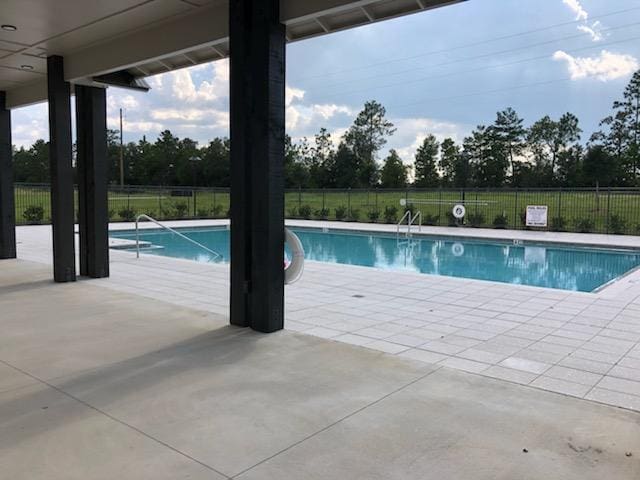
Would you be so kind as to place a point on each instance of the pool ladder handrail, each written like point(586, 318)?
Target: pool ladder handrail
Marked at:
point(153, 220)
point(410, 221)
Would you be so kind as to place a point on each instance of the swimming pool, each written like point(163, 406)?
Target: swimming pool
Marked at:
point(558, 266)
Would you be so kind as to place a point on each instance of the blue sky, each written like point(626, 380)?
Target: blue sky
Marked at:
point(442, 71)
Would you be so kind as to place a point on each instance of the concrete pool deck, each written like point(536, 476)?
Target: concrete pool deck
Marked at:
point(101, 384)
point(585, 345)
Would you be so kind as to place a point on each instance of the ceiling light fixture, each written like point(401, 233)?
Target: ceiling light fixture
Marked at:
point(9, 28)
point(26, 67)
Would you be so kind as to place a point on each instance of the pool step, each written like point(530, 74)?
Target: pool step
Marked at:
point(126, 244)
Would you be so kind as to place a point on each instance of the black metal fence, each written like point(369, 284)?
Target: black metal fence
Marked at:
point(610, 210)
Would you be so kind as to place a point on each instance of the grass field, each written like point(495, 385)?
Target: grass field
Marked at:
point(614, 211)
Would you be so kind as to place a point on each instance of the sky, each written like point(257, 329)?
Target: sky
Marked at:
point(442, 71)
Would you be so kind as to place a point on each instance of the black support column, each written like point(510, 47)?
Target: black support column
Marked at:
point(91, 128)
point(62, 205)
point(257, 63)
point(7, 209)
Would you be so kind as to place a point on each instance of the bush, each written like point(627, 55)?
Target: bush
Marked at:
point(617, 225)
point(558, 224)
point(216, 211)
point(112, 214)
point(127, 214)
point(451, 220)
point(584, 225)
point(501, 221)
point(431, 219)
point(322, 213)
point(390, 214)
point(341, 212)
point(292, 212)
point(354, 215)
point(202, 213)
point(181, 210)
point(228, 213)
point(33, 214)
point(305, 212)
point(523, 218)
point(476, 219)
point(373, 215)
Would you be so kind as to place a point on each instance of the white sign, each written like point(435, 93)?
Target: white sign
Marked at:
point(537, 215)
point(459, 211)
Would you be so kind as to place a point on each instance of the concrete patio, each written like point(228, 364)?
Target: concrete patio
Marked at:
point(97, 384)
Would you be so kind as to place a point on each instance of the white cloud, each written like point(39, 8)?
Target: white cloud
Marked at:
point(185, 89)
point(594, 31)
point(578, 10)
point(292, 94)
point(213, 117)
point(606, 66)
point(411, 132)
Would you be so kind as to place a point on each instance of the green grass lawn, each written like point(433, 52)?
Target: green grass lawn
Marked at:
point(617, 211)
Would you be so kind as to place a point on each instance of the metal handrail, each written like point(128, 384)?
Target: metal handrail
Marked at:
point(401, 222)
point(147, 217)
point(410, 221)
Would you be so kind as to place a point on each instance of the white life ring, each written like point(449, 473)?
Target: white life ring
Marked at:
point(293, 271)
point(459, 211)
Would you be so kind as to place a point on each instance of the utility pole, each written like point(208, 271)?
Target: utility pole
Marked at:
point(121, 153)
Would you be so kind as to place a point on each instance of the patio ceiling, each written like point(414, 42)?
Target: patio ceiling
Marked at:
point(147, 37)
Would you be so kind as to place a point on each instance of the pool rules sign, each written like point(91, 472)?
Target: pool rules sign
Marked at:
point(537, 215)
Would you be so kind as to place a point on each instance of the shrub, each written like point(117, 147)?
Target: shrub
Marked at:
point(558, 224)
point(431, 219)
point(523, 218)
point(584, 225)
point(322, 213)
point(216, 210)
point(451, 220)
point(341, 212)
point(202, 213)
point(112, 214)
point(127, 214)
point(305, 212)
point(354, 215)
point(501, 221)
point(33, 214)
point(181, 210)
point(476, 219)
point(292, 212)
point(228, 213)
point(617, 225)
point(390, 214)
point(373, 215)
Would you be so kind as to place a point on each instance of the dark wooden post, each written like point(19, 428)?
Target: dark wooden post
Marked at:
point(62, 205)
point(93, 215)
point(257, 106)
point(7, 207)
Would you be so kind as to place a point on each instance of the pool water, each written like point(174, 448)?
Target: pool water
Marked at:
point(564, 267)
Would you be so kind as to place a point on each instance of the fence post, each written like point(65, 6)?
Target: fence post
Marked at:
point(324, 194)
point(214, 203)
point(560, 204)
point(440, 206)
point(608, 209)
point(159, 203)
point(194, 201)
point(515, 211)
point(349, 202)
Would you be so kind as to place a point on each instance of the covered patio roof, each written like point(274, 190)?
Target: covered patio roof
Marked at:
point(138, 38)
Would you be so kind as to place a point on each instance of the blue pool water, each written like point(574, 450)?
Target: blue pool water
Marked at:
point(543, 265)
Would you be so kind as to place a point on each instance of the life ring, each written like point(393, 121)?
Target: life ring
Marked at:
point(293, 271)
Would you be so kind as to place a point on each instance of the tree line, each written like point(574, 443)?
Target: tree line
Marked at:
point(547, 153)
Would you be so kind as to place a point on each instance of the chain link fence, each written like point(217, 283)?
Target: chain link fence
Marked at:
point(609, 210)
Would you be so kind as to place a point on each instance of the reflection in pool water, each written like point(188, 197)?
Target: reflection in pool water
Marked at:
point(563, 267)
